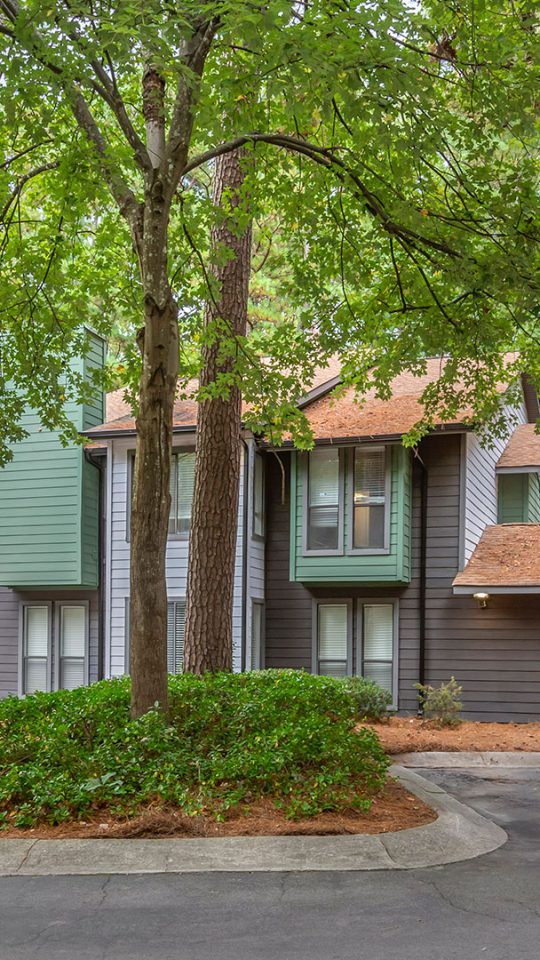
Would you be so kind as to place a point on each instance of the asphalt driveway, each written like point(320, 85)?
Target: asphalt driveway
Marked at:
point(485, 908)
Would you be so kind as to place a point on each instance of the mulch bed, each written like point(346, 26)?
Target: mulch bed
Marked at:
point(410, 735)
point(394, 808)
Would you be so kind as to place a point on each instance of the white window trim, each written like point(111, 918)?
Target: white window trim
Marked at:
point(22, 606)
point(58, 604)
point(188, 447)
point(175, 600)
point(256, 455)
point(370, 551)
point(255, 602)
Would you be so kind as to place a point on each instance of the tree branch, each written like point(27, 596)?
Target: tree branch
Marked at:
point(22, 181)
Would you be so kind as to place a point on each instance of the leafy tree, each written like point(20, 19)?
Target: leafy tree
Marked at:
point(395, 141)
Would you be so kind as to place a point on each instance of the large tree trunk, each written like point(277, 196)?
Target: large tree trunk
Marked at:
point(208, 637)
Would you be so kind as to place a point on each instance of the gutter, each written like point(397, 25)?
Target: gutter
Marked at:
point(423, 578)
point(245, 545)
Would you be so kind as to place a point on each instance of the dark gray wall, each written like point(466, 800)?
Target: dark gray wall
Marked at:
point(493, 653)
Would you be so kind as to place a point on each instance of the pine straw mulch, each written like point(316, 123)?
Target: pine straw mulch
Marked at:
point(394, 808)
point(411, 734)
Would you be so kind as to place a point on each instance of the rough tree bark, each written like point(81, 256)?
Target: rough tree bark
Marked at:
point(208, 637)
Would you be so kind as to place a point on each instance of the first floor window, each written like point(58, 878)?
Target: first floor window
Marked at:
point(365, 647)
point(176, 626)
point(54, 633)
point(36, 648)
point(378, 643)
point(73, 646)
point(257, 619)
point(333, 658)
point(323, 497)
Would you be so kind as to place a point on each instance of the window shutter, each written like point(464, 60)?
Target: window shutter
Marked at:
point(369, 476)
point(176, 625)
point(184, 489)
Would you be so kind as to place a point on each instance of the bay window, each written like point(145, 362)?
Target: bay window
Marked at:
point(369, 498)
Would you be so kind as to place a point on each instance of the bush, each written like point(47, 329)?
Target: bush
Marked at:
point(441, 704)
point(371, 702)
point(229, 738)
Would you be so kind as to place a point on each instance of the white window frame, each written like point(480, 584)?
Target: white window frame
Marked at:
point(259, 658)
point(174, 601)
point(370, 551)
point(339, 550)
point(24, 604)
point(184, 535)
point(57, 638)
point(378, 601)
point(173, 515)
point(331, 602)
point(258, 459)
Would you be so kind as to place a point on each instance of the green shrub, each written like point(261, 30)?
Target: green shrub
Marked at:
point(441, 704)
point(230, 738)
point(371, 702)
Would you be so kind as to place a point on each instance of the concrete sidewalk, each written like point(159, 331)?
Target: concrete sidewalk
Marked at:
point(459, 759)
point(459, 833)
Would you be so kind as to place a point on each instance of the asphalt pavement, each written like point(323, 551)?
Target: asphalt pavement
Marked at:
point(483, 908)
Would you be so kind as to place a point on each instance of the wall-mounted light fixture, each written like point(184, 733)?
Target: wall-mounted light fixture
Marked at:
point(482, 599)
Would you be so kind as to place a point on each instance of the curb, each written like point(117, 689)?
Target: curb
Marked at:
point(458, 759)
point(459, 833)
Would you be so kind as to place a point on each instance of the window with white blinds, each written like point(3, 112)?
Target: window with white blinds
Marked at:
point(378, 643)
point(72, 646)
point(369, 498)
point(181, 486)
point(257, 611)
point(333, 639)
point(36, 624)
point(323, 499)
point(176, 628)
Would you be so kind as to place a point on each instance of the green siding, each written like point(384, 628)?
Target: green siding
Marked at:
point(49, 504)
point(513, 497)
point(393, 567)
point(534, 498)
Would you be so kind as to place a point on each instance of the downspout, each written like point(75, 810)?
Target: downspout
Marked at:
point(245, 545)
point(100, 464)
point(423, 565)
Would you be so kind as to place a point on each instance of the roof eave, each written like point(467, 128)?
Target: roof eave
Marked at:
point(508, 590)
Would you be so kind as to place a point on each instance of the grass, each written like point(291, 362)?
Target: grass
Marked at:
point(229, 739)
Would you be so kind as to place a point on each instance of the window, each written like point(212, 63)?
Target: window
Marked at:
point(257, 621)
point(54, 632)
point(36, 647)
point(258, 496)
point(378, 643)
point(181, 485)
point(72, 646)
point(324, 482)
point(369, 498)
point(176, 628)
point(333, 639)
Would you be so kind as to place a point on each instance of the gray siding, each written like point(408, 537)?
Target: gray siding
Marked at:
point(255, 566)
point(480, 507)
point(118, 559)
point(10, 601)
point(493, 653)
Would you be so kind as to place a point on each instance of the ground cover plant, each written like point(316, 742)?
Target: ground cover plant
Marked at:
point(229, 739)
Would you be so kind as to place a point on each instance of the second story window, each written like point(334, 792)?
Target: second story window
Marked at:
point(323, 500)
point(182, 482)
point(258, 496)
point(369, 498)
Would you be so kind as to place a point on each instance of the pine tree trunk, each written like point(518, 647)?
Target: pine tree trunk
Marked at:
point(208, 637)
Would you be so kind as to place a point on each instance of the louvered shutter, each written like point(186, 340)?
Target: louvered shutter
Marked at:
point(378, 643)
point(72, 651)
point(36, 648)
point(333, 623)
point(176, 624)
point(184, 489)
